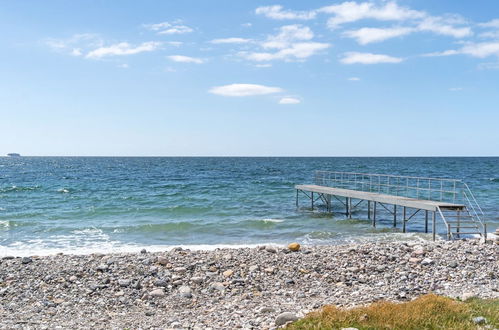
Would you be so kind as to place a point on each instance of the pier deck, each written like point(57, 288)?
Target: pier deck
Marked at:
point(421, 204)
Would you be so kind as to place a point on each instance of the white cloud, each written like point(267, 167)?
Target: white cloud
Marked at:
point(439, 25)
point(289, 100)
point(74, 45)
point(354, 79)
point(351, 11)
point(490, 24)
point(185, 59)
point(277, 12)
point(479, 50)
point(230, 41)
point(175, 27)
point(365, 36)
point(244, 90)
point(287, 35)
point(296, 51)
point(123, 48)
point(291, 43)
point(368, 58)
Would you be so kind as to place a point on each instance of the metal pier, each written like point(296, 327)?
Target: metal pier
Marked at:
point(449, 200)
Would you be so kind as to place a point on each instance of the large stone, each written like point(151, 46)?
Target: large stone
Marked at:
point(217, 286)
point(197, 279)
point(26, 260)
point(124, 283)
point(294, 247)
point(271, 249)
point(162, 260)
point(180, 270)
point(157, 293)
point(479, 320)
point(185, 291)
point(228, 273)
point(285, 317)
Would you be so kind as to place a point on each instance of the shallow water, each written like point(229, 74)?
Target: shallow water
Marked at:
point(84, 204)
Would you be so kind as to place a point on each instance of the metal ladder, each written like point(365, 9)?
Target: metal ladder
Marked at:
point(462, 222)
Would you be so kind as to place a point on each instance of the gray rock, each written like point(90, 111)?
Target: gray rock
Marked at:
point(217, 286)
point(426, 261)
point(26, 260)
point(163, 282)
point(479, 320)
point(162, 260)
point(453, 264)
point(143, 251)
point(157, 293)
point(285, 317)
point(185, 291)
point(197, 279)
point(271, 249)
point(180, 270)
point(102, 267)
point(124, 282)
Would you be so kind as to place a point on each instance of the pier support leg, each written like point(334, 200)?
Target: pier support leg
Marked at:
point(434, 225)
point(329, 205)
point(394, 216)
point(312, 200)
point(404, 220)
point(346, 206)
point(426, 221)
point(350, 208)
point(458, 223)
point(369, 210)
point(297, 198)
point(374, 215)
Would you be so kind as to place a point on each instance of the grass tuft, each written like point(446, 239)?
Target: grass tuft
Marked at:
point(426, 312)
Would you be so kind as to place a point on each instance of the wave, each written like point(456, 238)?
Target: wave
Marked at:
point(494, 179)
point(17, 189)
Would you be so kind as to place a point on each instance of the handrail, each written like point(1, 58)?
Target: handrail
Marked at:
point(452, 190)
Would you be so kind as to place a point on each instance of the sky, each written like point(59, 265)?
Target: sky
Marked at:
point(249, 78)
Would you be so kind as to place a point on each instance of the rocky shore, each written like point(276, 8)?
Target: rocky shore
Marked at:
point(258, 288)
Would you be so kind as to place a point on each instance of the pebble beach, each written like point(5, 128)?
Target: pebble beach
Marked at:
point(248, 288)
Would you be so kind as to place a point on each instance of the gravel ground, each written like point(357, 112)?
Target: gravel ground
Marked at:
point(234, 288)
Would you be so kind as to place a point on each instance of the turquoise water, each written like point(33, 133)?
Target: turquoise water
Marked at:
point(84, 204)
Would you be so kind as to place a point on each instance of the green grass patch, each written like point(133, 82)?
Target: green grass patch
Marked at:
point(426, 312)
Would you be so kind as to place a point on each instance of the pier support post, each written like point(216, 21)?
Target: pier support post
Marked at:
point(346, 206)
point(296, 197)
point(394, 216)
point(434, 225)
point(404, 220)
point(350, 208)
point(374, 215)
point(312, 200)
point(369, 210)
point(458, 223)
point(426, 221)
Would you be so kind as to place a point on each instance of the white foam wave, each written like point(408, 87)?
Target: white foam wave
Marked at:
point(272, 220)
point(63, 190)
point(37, 248)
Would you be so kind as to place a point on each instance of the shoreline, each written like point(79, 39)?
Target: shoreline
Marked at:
point(234, 288)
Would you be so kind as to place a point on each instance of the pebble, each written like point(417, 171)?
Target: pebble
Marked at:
point(294, 247)
point(124, 283)
point(26, 260)
point(157, 293)
point(76, 291)
point(479, 320)
point(270, 249)
point(284, 318)
point(185, 291)
point(228, 273)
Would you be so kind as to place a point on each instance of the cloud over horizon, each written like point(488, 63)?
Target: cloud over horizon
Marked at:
point(238, 90)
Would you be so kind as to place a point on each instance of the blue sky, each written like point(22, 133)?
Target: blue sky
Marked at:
point(250, 78)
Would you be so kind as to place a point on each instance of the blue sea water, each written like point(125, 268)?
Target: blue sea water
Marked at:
point(87, 204)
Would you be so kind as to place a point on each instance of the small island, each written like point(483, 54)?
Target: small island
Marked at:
point(14, 154)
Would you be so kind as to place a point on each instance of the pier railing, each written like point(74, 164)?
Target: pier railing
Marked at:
point(436, 189)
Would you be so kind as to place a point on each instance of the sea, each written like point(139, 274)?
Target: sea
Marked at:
point(81, 205)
